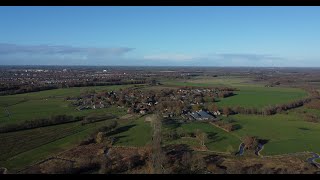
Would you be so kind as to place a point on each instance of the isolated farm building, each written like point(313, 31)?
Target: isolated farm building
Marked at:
point(201, 115)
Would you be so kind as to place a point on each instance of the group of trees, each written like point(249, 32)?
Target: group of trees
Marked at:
point(181, 160)
point(314, 104)
point(30, 124)
point(224, 94)
point(19, 89)
point(119, 162)
point(100, 134)
point(95, 83)
point(251, 142)
point(284, 107)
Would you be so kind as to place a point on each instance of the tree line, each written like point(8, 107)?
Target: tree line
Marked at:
point(269, 110)
point(96, 118)
point(42, 122)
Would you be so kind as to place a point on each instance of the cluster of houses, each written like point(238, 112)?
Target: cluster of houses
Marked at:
point(92, 105)
point(172, 103)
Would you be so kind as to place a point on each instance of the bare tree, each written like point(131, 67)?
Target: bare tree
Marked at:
point(157, 155)
point(202, 136)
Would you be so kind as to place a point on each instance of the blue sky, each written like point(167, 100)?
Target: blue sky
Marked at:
point(205, 36)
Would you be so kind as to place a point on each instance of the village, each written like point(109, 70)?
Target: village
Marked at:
point(187, 102)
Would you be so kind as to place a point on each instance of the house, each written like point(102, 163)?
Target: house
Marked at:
point(216, 113)
point(166, 115)
point(143, 111)
point(184, 111)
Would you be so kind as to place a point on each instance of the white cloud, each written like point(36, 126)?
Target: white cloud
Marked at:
point(13, 49)
point(57, 54)
point(170, 57)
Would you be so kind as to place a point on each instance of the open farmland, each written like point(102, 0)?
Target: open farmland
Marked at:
point(218, 140)
point(134, 133)
point(249, 95)
point(35, 105)
point(286, 133)
point(22, 148)
point(262, 96)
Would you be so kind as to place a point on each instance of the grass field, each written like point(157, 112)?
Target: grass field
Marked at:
point(287, 133)
point(213, 82)
point(46, 103)
point(21, 148)
point(249, 95)
point(235, 81)
point(134, 133)
point(218, 140)
point(262, 96)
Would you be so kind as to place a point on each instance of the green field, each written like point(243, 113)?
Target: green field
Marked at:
point(262, 96)
point(287, 133)
point(249, 95)
point(218, 141)
point(22, 148)
point(34, 109)
point(46, 103)
point(134, 133)
point(204, 81)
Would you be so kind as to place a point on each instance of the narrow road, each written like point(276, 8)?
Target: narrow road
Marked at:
point(258, 149)
point(241, 150)
point(312, 160)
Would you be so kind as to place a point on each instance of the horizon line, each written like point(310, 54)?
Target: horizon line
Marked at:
point(165, 66)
